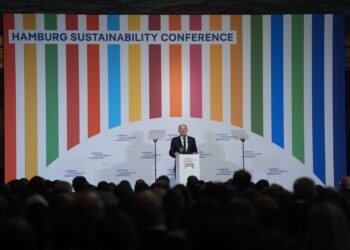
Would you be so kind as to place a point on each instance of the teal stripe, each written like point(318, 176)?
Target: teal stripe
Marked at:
point(256, 75)
point(51, 64)
point(298, 140)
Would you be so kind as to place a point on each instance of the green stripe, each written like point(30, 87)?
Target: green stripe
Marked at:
point(256, 75)
point(50, 22)
point(51, 64)
point(298, 87)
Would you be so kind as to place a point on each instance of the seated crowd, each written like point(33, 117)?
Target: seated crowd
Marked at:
point(40, 214)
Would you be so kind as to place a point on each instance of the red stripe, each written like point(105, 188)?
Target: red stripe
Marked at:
point(93, 74)
point(154, 22)
point(71, 22)
point(195, 22)
point(195, 71)
point(72, 64)
point(10, 100)
point(155, 81)
point(155, 69)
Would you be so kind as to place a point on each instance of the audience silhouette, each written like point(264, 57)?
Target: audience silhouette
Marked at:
point(40, 214)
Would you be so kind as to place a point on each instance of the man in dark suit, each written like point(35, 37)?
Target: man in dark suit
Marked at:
point(182, 144)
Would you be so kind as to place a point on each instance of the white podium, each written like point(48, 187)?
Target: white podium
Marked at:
point(186, 165)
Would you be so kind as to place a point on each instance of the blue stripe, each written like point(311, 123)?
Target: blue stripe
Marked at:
point(277, 80)
point(339, 127)
point(114, 99)
point(113, 22)
point(318, 126)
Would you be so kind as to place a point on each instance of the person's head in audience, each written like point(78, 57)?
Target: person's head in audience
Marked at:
point(62, 187)
point(17, 234)
point(241, 180)
point(117, 230)
point(304, 188)
point(192, 179)
point(80, 183)
point(345, 182)
point(123, 191)
point(163, 178)
point(159, 188)
point(141, 185)
point(262, 184)
point(327, 228)
point(37, 185)
point(148, 210)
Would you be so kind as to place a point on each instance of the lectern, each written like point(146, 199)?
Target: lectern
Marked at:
point(187, 165)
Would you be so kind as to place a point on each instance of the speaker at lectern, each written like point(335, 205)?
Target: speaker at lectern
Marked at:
point(186, 165)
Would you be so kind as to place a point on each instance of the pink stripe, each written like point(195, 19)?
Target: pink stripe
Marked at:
point(195, 22)
point(196, 71)
point(155, 81)
point(196, 80)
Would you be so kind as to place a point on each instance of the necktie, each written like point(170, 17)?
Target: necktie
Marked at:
point(184, 145)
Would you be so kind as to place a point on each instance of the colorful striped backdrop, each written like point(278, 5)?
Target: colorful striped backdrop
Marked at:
point(282, 81)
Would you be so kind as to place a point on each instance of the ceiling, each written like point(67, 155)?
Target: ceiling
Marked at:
point(177, 7)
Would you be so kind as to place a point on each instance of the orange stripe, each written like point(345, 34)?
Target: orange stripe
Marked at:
point(216, 72)
point(30, 101)
point(92, 22)
point(236, 58)
point(215, 22)
point(175, 58)
point(174, 22)
point(93, 75)
point(93, 69)
point(10, 101)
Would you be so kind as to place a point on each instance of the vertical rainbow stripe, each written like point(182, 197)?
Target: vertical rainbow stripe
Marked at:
point(175, 70)
point(72, 69)
point(93, 69)
point(114, 98)
point(155, 72)
point(10, 100)
point(196, 71)
point(51, 64)
point(134, 72)
point(30, 102)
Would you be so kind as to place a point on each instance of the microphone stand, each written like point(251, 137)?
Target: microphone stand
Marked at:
point(242, 140)
point(155, 158)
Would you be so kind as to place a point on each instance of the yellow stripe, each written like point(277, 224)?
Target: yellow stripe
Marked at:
point(29, 22)
point(31, 116)
point(215, 22)
point(30, 102)
point(134, 22)
point(236, 73)
point(216, 82)
point(134, 82)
